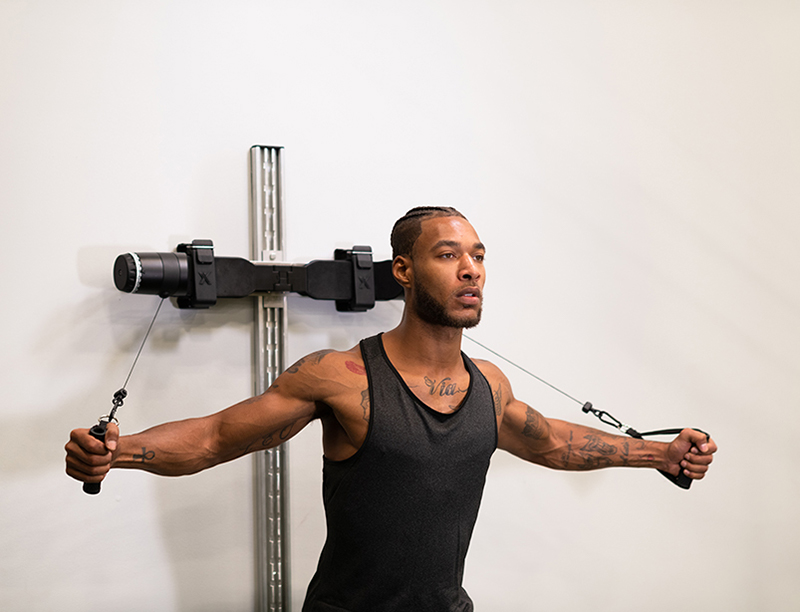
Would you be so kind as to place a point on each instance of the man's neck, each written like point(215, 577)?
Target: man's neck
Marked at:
point(415, 346)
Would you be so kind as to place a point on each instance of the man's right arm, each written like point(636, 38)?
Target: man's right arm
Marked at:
point(189, 446)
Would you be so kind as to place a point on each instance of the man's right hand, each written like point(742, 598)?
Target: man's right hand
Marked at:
point(89, 459)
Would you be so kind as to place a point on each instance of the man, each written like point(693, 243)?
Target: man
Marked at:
point(409, 424)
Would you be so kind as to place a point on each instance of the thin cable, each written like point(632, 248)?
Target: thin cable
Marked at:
point(541, 380)
point(143, 341)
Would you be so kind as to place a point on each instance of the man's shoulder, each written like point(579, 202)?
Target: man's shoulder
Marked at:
point(492, 373)
point(329, 363)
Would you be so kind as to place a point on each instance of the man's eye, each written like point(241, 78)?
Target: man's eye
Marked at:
point(479, 257)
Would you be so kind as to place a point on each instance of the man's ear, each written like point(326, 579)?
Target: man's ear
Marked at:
point(402, 271)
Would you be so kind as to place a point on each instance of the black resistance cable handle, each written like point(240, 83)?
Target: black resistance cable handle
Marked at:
point(99, 433)
point(681, 480)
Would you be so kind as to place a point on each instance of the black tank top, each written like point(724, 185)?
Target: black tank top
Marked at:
point(400, 512)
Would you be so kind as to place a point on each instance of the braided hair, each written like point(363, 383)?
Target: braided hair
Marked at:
point(408, 228)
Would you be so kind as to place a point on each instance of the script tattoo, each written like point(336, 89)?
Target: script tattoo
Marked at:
point(498, 400)
point(443, 387)
point(567, 453)
point(625, 453)
point(314, 358)
point(534, 426)
point(269, 440)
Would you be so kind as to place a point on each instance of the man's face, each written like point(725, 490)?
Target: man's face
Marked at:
point(448, 273)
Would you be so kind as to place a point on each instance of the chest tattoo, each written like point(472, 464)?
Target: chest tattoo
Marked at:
point(443, 387)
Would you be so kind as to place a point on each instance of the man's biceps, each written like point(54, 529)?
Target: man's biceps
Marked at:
point(290, 406)
point(514, 413)
point(512, 424)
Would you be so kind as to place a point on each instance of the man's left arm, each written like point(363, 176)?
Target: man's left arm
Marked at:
point(557, 444)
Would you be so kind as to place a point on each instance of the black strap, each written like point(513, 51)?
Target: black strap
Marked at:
point(681, 480)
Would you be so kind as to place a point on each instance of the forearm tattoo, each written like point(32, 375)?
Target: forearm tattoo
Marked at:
point(596, 453)
point(145, 456)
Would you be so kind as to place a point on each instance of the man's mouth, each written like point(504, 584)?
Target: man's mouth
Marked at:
point(469, 296)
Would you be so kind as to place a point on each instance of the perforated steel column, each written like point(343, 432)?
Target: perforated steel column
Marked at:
point(270, 467)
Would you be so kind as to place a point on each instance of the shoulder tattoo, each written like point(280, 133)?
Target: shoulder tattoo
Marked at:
point(313, 359)
point(355, 368)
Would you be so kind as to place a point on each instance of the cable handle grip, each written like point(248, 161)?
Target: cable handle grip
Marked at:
point(98, 432)
point(681, 480)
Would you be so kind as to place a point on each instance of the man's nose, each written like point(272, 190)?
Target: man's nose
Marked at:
point(469, 269)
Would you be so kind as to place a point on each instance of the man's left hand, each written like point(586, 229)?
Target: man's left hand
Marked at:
point(691, 452)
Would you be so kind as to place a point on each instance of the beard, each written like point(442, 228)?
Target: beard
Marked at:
point(431, 311)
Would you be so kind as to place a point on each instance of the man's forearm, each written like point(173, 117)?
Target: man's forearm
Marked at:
point(576, 447)
point(172, 449)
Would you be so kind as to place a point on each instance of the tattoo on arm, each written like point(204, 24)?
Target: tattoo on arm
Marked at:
point(145, 456)
point(365, 404)
point(535, 427)
point(596, 453)
point(314, 358)
point(567, 453)
point(498, 400)
point(268, 441)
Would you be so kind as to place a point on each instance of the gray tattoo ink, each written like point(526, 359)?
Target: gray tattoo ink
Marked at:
point(567, 453)
point(596, 453)
point(443, 387)
point(533, 427)
point(595, 445)
point(314, 358)
point(269, 440)
point(592, 463)
point(498, 400)
point(145, 456)
point(365, 404)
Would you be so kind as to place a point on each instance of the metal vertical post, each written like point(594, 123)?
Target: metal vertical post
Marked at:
point(270, 467)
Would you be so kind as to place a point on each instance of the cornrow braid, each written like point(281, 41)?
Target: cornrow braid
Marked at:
point(408, 228)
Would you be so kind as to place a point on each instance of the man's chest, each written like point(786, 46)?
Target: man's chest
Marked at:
point(350, 407)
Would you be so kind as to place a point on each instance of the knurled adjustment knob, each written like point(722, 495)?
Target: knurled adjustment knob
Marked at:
point(128, 272)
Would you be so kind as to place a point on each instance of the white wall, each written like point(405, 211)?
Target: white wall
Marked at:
point(631, 166)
